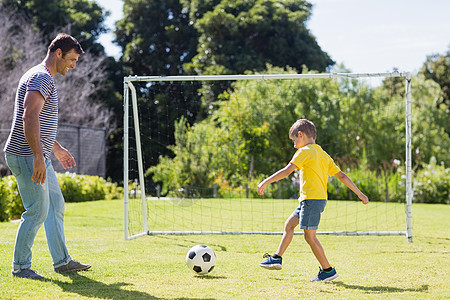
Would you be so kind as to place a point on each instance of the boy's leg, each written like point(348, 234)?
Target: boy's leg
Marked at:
point(275, 262)
point(309, 222)
point(316, 247)
point(326, 272)
point(288, 234)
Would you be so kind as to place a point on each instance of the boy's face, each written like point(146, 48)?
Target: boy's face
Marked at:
point(298, 140)
point(301, 140)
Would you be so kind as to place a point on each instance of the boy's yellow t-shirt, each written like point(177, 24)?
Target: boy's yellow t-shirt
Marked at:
point(315, 166)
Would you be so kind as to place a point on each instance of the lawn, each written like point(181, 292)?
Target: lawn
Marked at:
point(153, 267)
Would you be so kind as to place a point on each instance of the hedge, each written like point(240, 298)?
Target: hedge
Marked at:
point(75, 188)
point(431, 184)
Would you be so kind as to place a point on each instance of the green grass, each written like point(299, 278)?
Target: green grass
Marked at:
point(153, 267)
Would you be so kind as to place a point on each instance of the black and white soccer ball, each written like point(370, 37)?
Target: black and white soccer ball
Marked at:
point(201, 259)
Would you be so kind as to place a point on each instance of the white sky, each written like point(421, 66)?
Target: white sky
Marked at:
point(365, 35)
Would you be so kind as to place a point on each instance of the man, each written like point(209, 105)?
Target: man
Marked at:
point(31, 141)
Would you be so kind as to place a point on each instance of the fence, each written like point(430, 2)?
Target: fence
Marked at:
point(86, 144)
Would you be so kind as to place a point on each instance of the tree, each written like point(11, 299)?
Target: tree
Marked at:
point(437, 68)
point(430, 125)
point(156, 37)
point(245, 35)
point(77, 90)
point(162, 37)
point(237, 36)
point(23, 48)
point(84, 18)
point(19, 46)
point(246, 135)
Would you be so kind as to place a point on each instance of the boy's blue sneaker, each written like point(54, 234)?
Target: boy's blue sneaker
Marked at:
point(325, 276)
point(271, 263)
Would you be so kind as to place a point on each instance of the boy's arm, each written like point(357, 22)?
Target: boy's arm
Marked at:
point(349, 183)
point(282, 173)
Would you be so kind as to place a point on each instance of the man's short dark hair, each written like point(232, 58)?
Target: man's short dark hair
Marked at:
point(65, 42)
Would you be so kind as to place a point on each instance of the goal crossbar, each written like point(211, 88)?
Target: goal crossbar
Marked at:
point(129, 87)
point(136, 78)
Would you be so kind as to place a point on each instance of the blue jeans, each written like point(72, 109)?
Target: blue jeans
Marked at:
point(309, 212)
point(43, 204)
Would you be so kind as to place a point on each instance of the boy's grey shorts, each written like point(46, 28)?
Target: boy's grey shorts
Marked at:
point(308, 213)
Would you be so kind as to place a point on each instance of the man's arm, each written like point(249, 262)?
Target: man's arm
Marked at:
point(349, 183)
point(282, 173)
point(32, 106)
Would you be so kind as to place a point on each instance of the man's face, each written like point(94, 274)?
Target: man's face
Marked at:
point(66, 62)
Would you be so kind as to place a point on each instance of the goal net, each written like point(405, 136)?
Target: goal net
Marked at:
point(195, 148)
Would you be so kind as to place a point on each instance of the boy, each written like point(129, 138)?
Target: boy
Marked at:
point(315, 166)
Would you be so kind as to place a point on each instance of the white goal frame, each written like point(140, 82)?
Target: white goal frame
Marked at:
point(129, 87)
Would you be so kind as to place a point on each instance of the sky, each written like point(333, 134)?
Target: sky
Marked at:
point(367, 36)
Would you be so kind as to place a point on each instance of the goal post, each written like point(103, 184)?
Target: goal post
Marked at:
point(138, 215)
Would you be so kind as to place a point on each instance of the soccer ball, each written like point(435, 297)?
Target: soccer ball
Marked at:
point(201, 259)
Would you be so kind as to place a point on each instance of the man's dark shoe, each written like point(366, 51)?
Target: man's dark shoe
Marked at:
point(27, 273)
point(72, 266)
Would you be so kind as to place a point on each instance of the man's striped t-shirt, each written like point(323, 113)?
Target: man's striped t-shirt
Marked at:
point(38, 79)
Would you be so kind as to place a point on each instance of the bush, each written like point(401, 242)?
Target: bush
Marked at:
point(432, 183)
point(82, 188)
point(386, 186)
point(75, 188)
point(10, 201)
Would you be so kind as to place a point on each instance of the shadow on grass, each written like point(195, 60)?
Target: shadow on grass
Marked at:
point(379, 289)
point(209, 277)
point(88, 287)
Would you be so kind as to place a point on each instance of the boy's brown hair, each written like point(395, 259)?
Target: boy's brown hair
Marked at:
point(305, 126)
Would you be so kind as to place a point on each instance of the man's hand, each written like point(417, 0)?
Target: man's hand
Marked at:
point(63, 155)
point(39, 170)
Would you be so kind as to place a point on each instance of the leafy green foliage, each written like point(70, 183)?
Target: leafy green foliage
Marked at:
point(432, 183)
point(81, 188)
point(156, 37)
point(237, 36)
point(246, 137)
point(431, 127)
point(437, 68)
point(384, 187)
point(84, 17)
point(10, 201)
point(75, 188)
point(163, 37)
